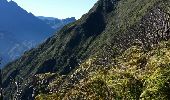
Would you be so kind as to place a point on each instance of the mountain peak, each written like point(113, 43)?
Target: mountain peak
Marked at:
point(13, 2)
point(3, 1)
point(6, 1)
point(106, 5)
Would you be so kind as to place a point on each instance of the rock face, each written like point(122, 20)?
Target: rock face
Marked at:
point(19, 31)
point(108, 53)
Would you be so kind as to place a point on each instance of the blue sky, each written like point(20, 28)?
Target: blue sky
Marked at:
point(57, 8)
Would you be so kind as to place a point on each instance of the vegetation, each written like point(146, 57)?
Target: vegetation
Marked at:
point(137, 75)
point(119, 50)
point(1, 94)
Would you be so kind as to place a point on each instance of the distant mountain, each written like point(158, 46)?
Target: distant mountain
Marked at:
point(19, 30)
point(56, 23)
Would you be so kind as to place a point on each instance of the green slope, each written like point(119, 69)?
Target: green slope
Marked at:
point(136, 75)
point(93, 58)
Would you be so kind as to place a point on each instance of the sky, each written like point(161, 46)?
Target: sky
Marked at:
point(57, 8)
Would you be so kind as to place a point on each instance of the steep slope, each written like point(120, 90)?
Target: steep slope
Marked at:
point(111, 52)
point(136, 75)
point(19, 29)
point(56, 23)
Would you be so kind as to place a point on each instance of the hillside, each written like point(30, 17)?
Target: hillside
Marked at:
point(118, 50)
point(56, 23)
point(19, 31)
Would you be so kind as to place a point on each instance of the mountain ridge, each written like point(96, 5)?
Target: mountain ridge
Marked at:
point(56, 23)
point(99, 56)
point(23, 27)
point(20, 31)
